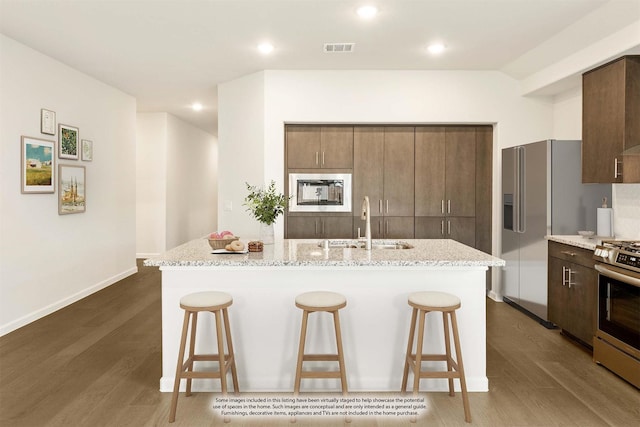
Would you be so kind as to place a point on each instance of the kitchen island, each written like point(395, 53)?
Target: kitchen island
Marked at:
point(265, 322)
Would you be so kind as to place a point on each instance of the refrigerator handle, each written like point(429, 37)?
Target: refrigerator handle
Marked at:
point(521, 190)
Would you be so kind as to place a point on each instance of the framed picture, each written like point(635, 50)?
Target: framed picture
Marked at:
point(72, 189)
point(87, 150)
point(67, 142)
point(38, 165)
point(47, 122)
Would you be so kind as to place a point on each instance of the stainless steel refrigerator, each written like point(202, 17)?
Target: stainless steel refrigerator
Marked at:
point(542, 194)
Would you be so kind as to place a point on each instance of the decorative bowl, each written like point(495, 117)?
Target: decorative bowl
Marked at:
point(221, 243)
point(586, 233)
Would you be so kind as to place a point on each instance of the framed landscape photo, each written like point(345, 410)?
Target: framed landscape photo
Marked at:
point(47, 122)
point(38, 165)
point(87, 150)
point(72, 189)
point(68, 142)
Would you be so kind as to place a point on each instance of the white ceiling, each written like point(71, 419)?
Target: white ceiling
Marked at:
point(169, 54)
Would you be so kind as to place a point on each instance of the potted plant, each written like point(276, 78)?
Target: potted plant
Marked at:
point(265, 205)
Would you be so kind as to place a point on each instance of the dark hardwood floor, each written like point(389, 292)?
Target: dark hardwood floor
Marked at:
point(98, 363)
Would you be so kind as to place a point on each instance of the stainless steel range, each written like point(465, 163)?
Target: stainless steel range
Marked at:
point(617, 341)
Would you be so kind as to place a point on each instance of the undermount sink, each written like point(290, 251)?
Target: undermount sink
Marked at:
point(359, 244)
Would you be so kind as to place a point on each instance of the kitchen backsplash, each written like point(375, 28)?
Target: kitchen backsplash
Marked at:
point(626, 211)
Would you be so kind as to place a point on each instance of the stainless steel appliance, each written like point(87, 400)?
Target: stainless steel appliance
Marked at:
point(320, 192)
point(617, 341)
point(542, 194)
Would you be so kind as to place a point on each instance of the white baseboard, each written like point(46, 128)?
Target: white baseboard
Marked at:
point(494, 296)
point(38, 314)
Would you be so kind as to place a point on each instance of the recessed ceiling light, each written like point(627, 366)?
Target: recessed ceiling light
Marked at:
point(265, 48)
point(436, 48)
point(367, 12)
point(196, 106)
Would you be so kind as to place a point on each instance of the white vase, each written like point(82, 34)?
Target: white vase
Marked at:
point(266, 233)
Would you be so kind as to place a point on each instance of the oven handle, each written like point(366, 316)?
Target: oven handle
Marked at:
point(602, 269)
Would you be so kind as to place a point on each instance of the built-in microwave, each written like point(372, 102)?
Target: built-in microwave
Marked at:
point(320, 192)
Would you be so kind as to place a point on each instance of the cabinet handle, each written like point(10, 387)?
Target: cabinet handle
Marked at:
point(358, 233)
point(569, 282)
point(448, 206)
point(316, 157)
point(379, 226)
point(442, 225)
point(564, 275)
point(387, 205)
point(616, 173)
point(568, 253)
point(449, 227)
point(323, 158)
point(442, 206)
point(380, 206)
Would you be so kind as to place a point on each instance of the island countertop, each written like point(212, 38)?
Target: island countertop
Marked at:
point(308, 252)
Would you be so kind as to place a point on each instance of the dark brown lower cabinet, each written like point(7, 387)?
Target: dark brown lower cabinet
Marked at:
point(572, 291)
point(388, 227)
point(461, 229)
point(321, 227)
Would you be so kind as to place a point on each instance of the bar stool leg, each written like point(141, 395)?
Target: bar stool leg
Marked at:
point(463, 382)
point(418, 364)
point(223, 370)
point(232, 354)
point(176, 383)
point(447, 346)
point(412, 333)
point(192, 347)
point(303, 337)
point(343, 375)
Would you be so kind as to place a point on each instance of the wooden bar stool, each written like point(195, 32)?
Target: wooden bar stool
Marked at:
point(320, 301)
point(447, 304)
point(214, 302)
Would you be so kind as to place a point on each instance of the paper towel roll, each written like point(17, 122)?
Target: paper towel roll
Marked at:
point(605, 222)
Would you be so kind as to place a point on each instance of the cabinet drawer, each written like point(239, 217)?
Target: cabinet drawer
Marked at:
point(571, 253)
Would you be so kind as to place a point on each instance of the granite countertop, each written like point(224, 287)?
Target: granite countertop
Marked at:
point(577, 240)
point(308, 253)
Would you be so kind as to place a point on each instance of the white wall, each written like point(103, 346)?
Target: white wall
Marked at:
point(567, 124)
point(48, 260)
point(192, 199)
point(242, 150)
point(177, 183)
point(151, 184)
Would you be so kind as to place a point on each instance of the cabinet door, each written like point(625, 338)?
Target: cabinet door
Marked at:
point(398, 227)
point(556, 292)
point(429, 171)
point(368, 149)
point(303, 147)
point(337, 227)
point(377, 228)
point(303, 227)
point(484, 193)
point(602, 122)
point(336, 147)
point(461, 229)
point(398, 181)
point(582, 307)
point(430, 227)
point(460, 167)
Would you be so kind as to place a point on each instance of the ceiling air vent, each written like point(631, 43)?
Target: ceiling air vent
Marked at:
point(339, 47)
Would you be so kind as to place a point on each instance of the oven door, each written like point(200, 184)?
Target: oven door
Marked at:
point(619, 306)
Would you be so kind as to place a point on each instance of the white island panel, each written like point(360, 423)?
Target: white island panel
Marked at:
point(266, 324)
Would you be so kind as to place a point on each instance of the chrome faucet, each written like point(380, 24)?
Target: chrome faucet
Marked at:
point(366, 215)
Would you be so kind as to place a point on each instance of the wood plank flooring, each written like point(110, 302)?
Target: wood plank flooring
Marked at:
point(98, 363)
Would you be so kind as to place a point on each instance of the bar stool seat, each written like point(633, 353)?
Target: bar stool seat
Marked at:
point(216, 303)
point(320, 301)
point(423, 303)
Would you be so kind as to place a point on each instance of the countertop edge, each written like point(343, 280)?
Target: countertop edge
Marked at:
point(577, 241)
